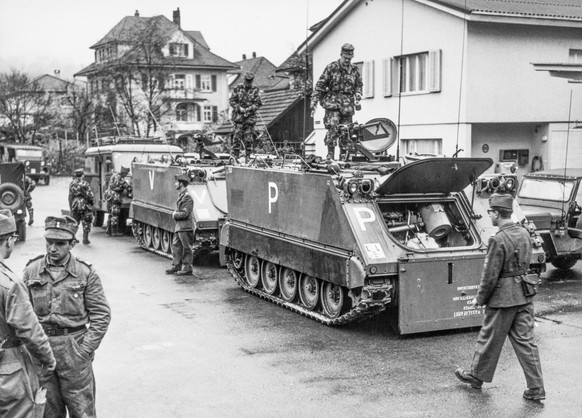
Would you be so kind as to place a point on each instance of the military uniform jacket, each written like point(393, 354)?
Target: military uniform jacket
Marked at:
point(508, 255)
point(75, 298)
point(18, 321)
point(183, 213)
point(245, 102)
point(80, 195)
point(337, 87)
point(117, 187)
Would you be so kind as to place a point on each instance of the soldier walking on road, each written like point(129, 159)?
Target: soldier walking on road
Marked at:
point(81, 201)
point(508, 309)
point(118, 187)
point(339, 91)
point(182, 256)
point(29, 186)
point(20, 337)
point(68, 298)
point(245, 101)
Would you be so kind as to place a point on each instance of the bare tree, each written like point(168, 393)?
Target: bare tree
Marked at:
point(24, 105)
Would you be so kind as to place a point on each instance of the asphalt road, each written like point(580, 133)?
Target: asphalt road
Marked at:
point(202, 347)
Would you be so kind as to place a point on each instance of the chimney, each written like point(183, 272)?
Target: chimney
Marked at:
point(176, 17)
point(254, 54)
point(244, 56)
point(136, 13)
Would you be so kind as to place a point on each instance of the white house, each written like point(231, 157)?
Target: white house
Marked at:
point(468, 79)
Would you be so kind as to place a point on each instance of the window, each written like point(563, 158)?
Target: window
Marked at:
point(207, 113)
point(423, 146)
point(366, 69)
point(576, 56)
point(415, 73)
point(206, 82)
point(179, 81)
point(188, 112)
point(178, 49)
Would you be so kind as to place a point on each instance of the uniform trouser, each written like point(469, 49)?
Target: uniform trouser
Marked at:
point(516, 322)
point(71, 387)
point(114, 211)
point(84, 216)
point(331, 121)
point(182, 248)
point(18, 384)
point(244, 133)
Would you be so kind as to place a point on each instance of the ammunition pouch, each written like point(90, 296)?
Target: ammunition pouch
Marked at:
point(529, 284)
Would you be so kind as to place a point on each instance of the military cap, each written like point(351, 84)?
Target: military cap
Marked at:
point(79, 172)
point(249, 76)
point(124, 171)
point(348, 49)
point(63, 228)
point(502, 201)
point(7, 222)
point(183, 177)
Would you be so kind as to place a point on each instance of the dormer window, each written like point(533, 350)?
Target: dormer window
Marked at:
point(106, 53)
point(178, 49)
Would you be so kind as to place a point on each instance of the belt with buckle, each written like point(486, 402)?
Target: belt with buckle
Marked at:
point(58, 331)
point(10, 343)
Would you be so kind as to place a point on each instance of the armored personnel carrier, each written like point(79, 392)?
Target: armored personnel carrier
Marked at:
point(341, 241)
point(154, 200)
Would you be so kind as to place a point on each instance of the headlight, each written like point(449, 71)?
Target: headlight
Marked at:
point(352, 186)
point(27, 163)
point(42, 163)
point(366, 186)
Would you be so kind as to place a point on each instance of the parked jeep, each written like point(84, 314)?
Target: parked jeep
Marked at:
point(31, 156)
point(12, 194)
point(552, 199)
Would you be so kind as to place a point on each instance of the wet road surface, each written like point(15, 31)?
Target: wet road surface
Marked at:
point(201, 347)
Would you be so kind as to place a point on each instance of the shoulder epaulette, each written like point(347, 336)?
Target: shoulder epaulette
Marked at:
point(34, 259)
point(84, 262)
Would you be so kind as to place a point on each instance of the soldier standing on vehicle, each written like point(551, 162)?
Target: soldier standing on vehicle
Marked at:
point(29, 186)
point(339, 91)
point(182, 256)
point(245, 101)
point(508, 309)
point(81, 201)
point(68, 298)
point(118, 187)
point(21, 337)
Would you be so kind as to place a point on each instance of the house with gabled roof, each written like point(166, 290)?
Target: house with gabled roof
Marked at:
point(261, 67)
point(457, 76)
point(191, 80)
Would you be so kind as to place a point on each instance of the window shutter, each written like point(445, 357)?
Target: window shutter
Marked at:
point(368, 79)
point(214, 113)
point(188, 81)
point(395, 76)
point(387, 77)
point(186, 50)
point(198, 82)
point(198, 117)
point(172, 50)
point(434, 71)
point(214, 82)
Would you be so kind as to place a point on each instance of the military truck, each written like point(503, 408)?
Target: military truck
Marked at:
point(552, 200)
point(154, 200)
point(31, 156)
point(341, 241)
point(12, 194)
point(102, 160)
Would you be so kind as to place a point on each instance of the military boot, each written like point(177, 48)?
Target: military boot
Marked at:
point(330, 152)
point(86, 237)
point(108, 230)
point(30, 216)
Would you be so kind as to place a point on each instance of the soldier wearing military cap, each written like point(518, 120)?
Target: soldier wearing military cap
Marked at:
point(21, 337)
point(81, 201)
point(339, 91)
point(68, 298)
point(509, 311)
point(183, 239)
point(245, 101)
point(118, 187)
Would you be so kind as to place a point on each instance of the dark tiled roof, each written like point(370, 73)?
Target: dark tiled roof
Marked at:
point(129, 26)
point(196, 36)
point(263, 69)
point(563, 9)
point(51, 83)
point(275, 104)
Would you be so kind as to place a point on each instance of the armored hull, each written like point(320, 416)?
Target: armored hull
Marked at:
point(341, 247)
point(154, 200)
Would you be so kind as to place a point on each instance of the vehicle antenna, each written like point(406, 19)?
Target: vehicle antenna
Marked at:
point(306, 84)
point(165, 136)
point(115, 122)
point(400, 77)
point(566, 153)
point(457, 150)
point(268, 134)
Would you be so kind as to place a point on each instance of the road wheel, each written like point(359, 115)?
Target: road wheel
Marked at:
point(253, 270)
point(288, 283)
point(156, 238)
point(166, 241)
point(147, 235)
point(332, 299)
point(270, 277)
point(11, 196)
point(564, 263)
point(238, 259)
point(309, 291)
point(21, 230)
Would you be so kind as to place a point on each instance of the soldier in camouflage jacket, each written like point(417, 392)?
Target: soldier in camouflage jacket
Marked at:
point(245, 102)
point(81, 201)
point(338, 90)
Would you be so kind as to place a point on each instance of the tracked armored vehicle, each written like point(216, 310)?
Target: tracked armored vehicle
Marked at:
point(154, 200)
point(339, 242)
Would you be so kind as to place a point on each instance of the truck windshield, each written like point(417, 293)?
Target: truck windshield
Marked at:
point(546, 189)
point(28, 154)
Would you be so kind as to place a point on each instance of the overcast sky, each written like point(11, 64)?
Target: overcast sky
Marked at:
point(40, 36)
